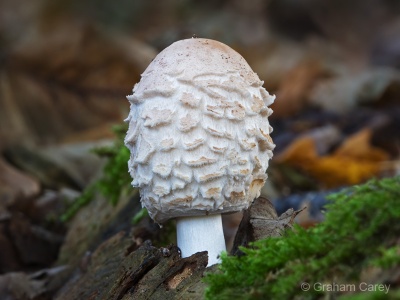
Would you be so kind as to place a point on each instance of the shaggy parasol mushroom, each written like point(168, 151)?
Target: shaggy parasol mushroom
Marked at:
point(199, 140)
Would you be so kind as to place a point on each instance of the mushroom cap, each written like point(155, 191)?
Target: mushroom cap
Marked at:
point(198, 131)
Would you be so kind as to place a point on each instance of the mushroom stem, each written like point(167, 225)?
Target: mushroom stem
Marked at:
point(201, 233)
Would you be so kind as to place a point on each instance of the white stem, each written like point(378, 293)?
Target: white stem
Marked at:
point(204, 233)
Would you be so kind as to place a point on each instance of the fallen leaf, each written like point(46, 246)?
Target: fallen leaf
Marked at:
point(358, 147)
point(39, 285)
point(376, 87)
point(65, 80)
point(296, 86)
point(355, 161)
point(261, 221)
point(334, 171)
point(300, 152)
point(17, 182)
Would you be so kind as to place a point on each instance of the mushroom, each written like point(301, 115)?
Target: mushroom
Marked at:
point(199, 140)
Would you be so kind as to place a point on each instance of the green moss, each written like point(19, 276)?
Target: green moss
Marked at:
point(115, 179)
point(360, 226)
point(389, 257)
point(139, 216)
point(81, 201)
point(392, 295)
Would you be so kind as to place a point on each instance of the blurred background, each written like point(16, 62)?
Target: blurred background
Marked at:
point(66, 67)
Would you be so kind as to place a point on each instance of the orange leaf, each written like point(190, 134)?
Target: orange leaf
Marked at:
point(301, 151)
point(359, 148)
point(354, 162)
point(335, 171)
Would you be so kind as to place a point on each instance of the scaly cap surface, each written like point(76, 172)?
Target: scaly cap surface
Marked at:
point(198, 131)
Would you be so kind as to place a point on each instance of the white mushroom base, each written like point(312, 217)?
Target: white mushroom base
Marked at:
point(201, 233)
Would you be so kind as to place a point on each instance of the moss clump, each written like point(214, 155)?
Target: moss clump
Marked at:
point(85, 198)
point(115, 178)
point(360, 230)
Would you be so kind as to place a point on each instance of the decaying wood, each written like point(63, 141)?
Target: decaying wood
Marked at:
point(115, 272)
point(121, 268)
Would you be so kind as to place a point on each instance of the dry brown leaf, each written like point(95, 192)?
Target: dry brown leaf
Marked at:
point(39, 285)
point(352, 163)
point(296, 86)
point(334, 171)
point(17, 182)
point(300, 152)
point(65, 80)
point(374, 87)
point(261, 221)
point(358, 147)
